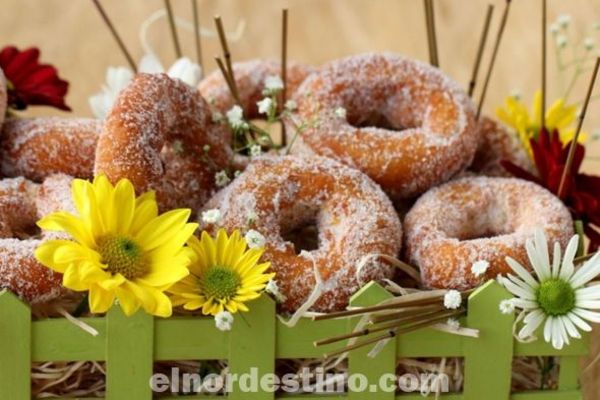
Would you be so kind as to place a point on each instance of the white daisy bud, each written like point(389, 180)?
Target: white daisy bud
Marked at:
point(273, 289)
point(340, 112)
point(452, 299)
point(221, 178)
point(255, 239)
point(211, 216)
point(224, 321)
point(479, 268)
point(273, 84)
point(291, 105)
point(264, 106)
point(507, 307)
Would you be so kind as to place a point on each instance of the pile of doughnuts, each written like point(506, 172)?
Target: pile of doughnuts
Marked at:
point(386, 158)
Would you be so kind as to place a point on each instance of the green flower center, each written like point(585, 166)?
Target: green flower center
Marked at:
point(556, 297)
point(123, 255)
point(220, 282)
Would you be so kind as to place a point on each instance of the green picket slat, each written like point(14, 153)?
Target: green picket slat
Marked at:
point(15, 348)
point(488, 359)
point(129, 355)
point(57, 339)
point(568, 377)
point(189, 338)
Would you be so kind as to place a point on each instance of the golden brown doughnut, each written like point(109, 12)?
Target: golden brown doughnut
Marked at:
point(250, 80)
point(353, 217)
point(153, 113)
point(479, 219)
point(496, 144)
point(400, 121)
point(39, 147)
point(22, 204)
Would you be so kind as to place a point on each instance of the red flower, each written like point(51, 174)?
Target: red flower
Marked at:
point(31, 83)
point(581, 193)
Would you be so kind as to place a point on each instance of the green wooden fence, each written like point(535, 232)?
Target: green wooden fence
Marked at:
point(129, 346)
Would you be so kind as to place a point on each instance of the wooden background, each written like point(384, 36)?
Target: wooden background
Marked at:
point(72, 36)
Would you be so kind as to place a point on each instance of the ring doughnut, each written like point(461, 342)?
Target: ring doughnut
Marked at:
point(22, 203)
point(36, 148)
point(479, 219)
point(154, 111)
point(279, 195)
point(496, 144)
point(400, 121)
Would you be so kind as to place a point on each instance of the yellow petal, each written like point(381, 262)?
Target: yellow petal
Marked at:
point(165, 275)
point(100, 300)
point(127, 300)
point(145, 211)
point(221, 247)
point(124, 201)
point(173, 245)
point(160, 229)
point(44, 253)
point(65, 222)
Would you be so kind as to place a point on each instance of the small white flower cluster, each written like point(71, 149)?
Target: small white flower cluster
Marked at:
point(340, 112)
point(479, 268)
point(221, 178)
point(255, 239)
point(453, 324)
point(273, 85)
point(251, 217)
point(273, 289)
point(452, 299)
point(212, 216)
point(224, 321)
point(235, 118)
point(255, 150)
point(507, 306)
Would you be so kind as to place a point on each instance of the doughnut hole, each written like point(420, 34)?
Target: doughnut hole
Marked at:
point(299, 227)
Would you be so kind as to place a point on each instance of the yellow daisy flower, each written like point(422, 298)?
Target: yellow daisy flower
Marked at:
point(527, 124)
point(121, 247)
point(223, 275)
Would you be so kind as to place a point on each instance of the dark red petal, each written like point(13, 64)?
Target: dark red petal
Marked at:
point(22, 65)
point(519, 172)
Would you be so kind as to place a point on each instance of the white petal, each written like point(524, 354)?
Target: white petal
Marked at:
point(588, 315)
point(522, 284)
point(522, 272)
point(98, 105)
point(570, 327)
point(518, 290)
point(150, 64)
point(566, 272)
point(187, 71)
point(557, 337)
point(117, 79)
point(548, 329)
point(588, 293)
point(541, 245)
point(587, 272)
point(532, 321)
point(556, 260)
point(525, 304)
point(563, 331)
point(589, 304)
point(581, 324)
point(537, 261)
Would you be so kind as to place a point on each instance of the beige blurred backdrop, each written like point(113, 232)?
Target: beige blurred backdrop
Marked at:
point(72, 36)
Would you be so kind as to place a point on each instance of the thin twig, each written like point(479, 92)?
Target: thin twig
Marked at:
point(481, 48)
point(116, 35)
point(227, 78)
point(173, 28)
point(431, 34)
point(284, 44)
point(544, 34)
point(197, 39)
point(226, 54)
point(493, 59)
point(580, 119)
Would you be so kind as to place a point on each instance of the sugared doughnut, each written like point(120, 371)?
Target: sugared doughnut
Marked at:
point(496, 144)
point(39, 147)
point(250, 80)
point(277, 196)
point(22, 203)
point(3, 96)
point(479, 219)
point(400, 121)
point(153, 113)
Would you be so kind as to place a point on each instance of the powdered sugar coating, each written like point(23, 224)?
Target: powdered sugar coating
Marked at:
point(407, 125)
point(353, 216)
point(3, 96)
point(479, 218)
point(39, 147)
point(22, 203)
point(497, 144)
point(152, 113)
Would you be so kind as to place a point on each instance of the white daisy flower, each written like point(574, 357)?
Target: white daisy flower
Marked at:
point(479, 268)
point(452, 299)
point(255, 150)
point(224, 321)
point(557, 297)
point(340, 112)
point(273, 84)
point(291, 105)
point(117, 79)
point(273, 289)
point(211, 216)
point(221, 178)
point(265, 105)
point(507, 306)
point(235, 117)
point(254, 239)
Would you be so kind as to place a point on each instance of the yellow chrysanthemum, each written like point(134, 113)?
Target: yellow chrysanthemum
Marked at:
point(121, 247)
point(223, 275)
point(527, 124)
